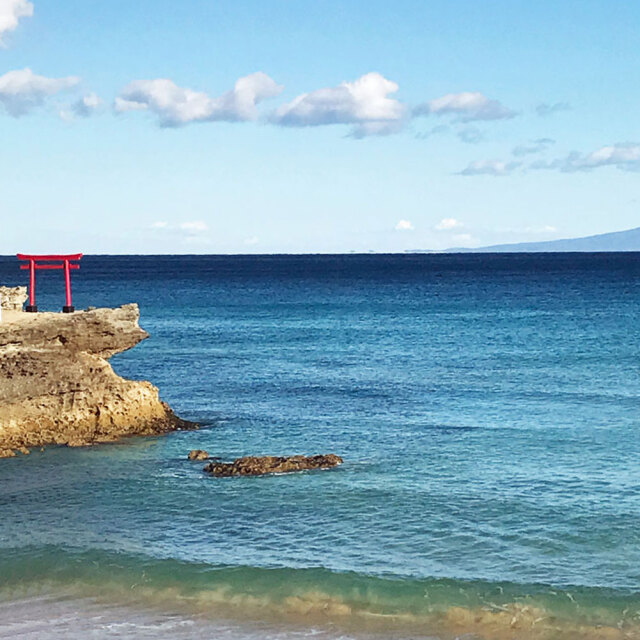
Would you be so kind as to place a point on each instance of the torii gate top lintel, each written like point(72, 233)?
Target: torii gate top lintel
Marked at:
point(71, 256)
point(62, 261)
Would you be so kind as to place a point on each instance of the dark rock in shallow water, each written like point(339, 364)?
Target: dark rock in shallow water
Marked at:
point(198, 454)
point(256, 466)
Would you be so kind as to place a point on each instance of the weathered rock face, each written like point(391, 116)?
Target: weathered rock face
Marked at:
point(256, 466)
point(56, 385)
point(12, 297)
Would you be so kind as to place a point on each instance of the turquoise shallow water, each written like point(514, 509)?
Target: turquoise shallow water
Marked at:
point(486, 408)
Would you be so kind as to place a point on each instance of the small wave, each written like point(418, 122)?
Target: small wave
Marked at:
point(318, 597)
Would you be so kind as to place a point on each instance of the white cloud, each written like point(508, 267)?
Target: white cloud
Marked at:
point(404, 225)
point(87, 105)
point(624, 156)
point(548, 109)
point(160, 224)
point(489, 168)
point(197, 226)
point(446, 224)
point(177, 106)
point(364, 103)
point(22, 90)
point(535, 146)
point(253, 240)
point(10, 13)
point(468, 106)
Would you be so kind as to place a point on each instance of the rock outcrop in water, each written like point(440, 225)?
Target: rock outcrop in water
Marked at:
point(197, 454)
point(257, 466)
point(56, 386)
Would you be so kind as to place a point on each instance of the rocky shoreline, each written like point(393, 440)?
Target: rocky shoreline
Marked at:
point(56, 386)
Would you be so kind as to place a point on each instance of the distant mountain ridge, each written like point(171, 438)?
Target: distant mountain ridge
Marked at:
point(617, 241)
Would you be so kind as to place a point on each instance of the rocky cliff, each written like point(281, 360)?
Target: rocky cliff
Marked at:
point(56, 386)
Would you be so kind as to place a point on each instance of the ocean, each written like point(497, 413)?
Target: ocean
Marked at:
point(487, 408)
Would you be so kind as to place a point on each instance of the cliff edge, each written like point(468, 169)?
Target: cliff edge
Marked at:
point(56, 386)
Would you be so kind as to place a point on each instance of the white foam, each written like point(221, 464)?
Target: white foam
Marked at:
point(46, 618)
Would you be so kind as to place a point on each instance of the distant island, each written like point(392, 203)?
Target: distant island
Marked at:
point(617, 241)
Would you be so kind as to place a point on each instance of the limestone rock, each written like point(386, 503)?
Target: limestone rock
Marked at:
point(13, 298)
point(198, 454)
point(57, 387)
point(256, 466)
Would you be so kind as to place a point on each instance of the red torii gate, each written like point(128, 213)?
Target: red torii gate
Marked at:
point(67, 262)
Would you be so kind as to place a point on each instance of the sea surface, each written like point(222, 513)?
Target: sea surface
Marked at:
point(487, 408)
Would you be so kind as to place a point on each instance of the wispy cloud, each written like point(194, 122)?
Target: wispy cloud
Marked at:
point(547, 228)
point(176, 106)
point(448, 224)
point(489, 168)
point(470, 135)
point(377, 128)
point(467, 106)
point(624, 156)
point(548, 109)
point(437, 130)
point(535, 146)
point(86, 105)
point(22, 90)
point(540, 165)
point(10, 13)
point(189, 228)
point(363, 103)
point(197, 226)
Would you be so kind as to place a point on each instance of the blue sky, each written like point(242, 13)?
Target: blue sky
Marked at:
point(297, 126)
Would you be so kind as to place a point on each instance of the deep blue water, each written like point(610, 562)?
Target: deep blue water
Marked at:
point(486, 406)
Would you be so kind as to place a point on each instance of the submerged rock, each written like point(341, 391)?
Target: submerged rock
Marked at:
point(198, 454)
point(259, 465)
point(56, 386)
